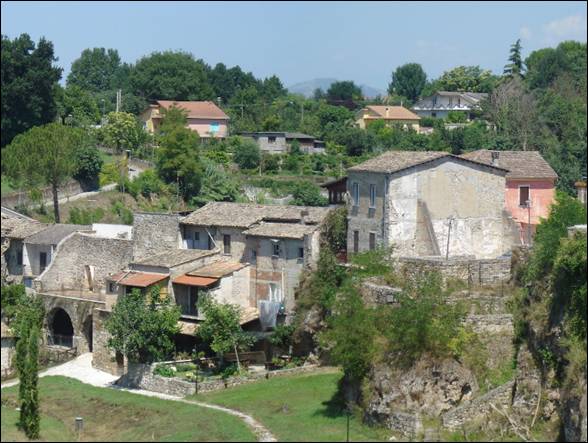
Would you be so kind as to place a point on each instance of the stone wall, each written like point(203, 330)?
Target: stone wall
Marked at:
point(104, 358)
point(154, 233)
point(142, 376)
point(8, 352)
point(500, 397)
point(68, 269)
point(13, 199)
point(474, 271)
point(376, 294)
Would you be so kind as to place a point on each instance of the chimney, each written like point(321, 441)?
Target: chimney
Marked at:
point(387, 111)
point(495, 155)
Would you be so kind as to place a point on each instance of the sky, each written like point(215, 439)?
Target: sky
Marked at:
point(299, 41)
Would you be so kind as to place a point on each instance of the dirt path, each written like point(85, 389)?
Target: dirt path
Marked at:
point(81, 369)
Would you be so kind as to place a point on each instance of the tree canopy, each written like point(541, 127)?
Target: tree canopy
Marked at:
point(95, 70)
point(28, 82)
point(408, 81)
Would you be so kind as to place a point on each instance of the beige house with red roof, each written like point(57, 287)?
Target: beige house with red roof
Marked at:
point(390, 114)
point(204, 117)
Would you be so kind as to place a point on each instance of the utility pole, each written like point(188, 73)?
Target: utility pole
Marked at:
point(302, 113)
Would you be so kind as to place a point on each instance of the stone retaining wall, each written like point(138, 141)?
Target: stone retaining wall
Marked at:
point(500, 397)
point(142, 376)
point(474, 271)
point(16, 198)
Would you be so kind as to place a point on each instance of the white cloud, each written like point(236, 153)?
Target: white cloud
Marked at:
point(526, 33)
point(572, 27)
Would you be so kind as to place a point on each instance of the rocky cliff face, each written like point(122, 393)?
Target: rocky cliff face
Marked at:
point(430, 387)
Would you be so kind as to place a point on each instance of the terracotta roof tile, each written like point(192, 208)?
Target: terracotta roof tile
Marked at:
point(200, 109)
point(217, 269)
point(281, 230)
point(174, 257)
point(520, 164)
point(393, 112)
point(137, 279)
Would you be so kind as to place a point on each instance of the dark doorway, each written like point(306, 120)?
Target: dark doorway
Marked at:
point(88, 332)
point(61, 330)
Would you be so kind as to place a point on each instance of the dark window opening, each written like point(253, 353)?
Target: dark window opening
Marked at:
point(19, 258)
point(300, 253)
point(227, 244)
point(42, 261)
point(372, 241)
point(276, 249)
point(355, 241)
point(524, 195)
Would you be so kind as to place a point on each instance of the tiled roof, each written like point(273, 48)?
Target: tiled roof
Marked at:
point(55, 233)
point(204, 109)
point(393, 112)
point(520, 164)
point(217, 269)
point(244, 215)
point(395, 161)
point(281, 230)
point(175, 257)
point(19, 229)
point(137, 279)
point(192, 280)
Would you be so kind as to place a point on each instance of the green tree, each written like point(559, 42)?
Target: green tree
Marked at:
point(177, 159)
point(306, 193)
point(142, 327)
point(222, 328)
point(28, 82)
point(247, 154)
point(350, 336)
point(171, 76)
point(88, 164)
point(344, 93)
point(408, 81)
point(76, 107)
point(466, 78)
point(334, 230)
point(44, 155)
point(516, 66)
point(122, 131)
point(95, 70)
point(217, 185)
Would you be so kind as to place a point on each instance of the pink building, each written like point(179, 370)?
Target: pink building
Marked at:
point(530, 185)
point(204, 117)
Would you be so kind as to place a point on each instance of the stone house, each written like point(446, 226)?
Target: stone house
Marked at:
point(441, 103)
point(32, 246)
point(391, 115)
point(428, 204)
point(530, 186)
point(276, 142)
point(204, 117)
point(278, 242)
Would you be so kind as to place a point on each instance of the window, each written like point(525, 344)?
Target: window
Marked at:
point(227, 244)
point(372, 241)
point(372, 196)
point(276, 249)
point(214, 128)
point(450, 102)
point(300, 253)
point(355, 190)
point(253, 255)
point(275, 293)
point(271, 139)
point(196, 236)
point(433, 114)
point(187, 300)
point(19, 258)
point(42, 261)
point(112, 287)
point(524, 195)
point(355, 241)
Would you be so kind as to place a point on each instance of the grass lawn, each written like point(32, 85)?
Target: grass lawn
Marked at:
point(111, 415)
point(296, 408)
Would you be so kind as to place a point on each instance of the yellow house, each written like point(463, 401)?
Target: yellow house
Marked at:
point(203, 117)
point(390, 114)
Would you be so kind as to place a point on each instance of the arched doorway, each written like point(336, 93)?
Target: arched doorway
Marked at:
point(61, 329)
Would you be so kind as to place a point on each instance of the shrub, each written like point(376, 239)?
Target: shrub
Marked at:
point(147, 183)
point(85, 216)
point(164, 371)
point(247, 154)
point(456, 117)
point(334, 231)
point(88, 164)
point(308, 194)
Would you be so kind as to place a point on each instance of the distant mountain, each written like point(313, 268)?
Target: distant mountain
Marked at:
point(307, 88)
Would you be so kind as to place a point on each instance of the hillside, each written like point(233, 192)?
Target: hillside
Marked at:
point(308, 87)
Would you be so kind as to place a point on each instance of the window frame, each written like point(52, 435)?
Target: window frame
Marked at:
point(524, 204)
point(226, 244)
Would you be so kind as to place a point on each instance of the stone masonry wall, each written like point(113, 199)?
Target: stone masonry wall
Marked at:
point(473, 271)
point(479, 407)
point(67, 270)
point(141, 376)
point(154, 233)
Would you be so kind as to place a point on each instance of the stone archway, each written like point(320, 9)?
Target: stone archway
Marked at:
point(60, 329)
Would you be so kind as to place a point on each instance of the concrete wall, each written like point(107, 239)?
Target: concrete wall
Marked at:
point(108, 230)
point(412, 211)
point(68, 267)
point(155, 233)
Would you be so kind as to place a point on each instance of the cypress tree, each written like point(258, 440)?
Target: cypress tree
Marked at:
point(30, 403)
